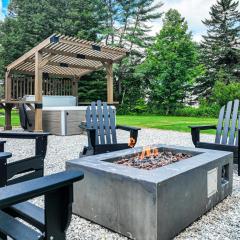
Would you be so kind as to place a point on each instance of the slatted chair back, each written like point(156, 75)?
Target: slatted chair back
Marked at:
point(102, 117)
point(23, 169)
point(228, 124)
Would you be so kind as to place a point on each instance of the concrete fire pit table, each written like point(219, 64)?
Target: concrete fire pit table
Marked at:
point(151, 204)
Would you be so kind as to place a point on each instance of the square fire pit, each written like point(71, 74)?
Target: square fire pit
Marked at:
point(151, 204)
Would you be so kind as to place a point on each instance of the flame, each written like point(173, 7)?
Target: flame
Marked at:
point(155, 152)
point(148, 152)
point(142, 155)
point(131, 142)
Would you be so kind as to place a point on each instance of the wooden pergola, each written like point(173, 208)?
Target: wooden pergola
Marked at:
point(60, 56)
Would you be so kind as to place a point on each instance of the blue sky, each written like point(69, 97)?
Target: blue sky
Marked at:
point(3, 7)
point(193, 10)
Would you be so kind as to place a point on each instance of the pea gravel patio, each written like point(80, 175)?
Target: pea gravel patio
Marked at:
point(220, 223)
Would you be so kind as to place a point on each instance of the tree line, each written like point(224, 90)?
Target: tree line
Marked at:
point(162, 73)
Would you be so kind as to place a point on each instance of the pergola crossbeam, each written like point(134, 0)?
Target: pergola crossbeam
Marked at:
point(63, 64)
point(29, 53)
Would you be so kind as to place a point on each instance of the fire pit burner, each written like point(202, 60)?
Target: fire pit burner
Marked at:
point(151, 159)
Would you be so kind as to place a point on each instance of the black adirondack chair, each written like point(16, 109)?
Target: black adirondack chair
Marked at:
point(101, 130)
point(24, 169)
point(52, 221)
point(227, 132)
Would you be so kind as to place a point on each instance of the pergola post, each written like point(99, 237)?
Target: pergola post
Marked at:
point(109, 70)
point(8, 86)
point(38, 91)
point(8, 107)
point(75, 87)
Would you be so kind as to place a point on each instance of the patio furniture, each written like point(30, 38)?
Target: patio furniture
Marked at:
point(227, 132)
point(24, 169)
point(101, 130)
point(52, 221)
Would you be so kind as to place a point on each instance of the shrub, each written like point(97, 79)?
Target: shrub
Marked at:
point(202, 111)
point(223, 93)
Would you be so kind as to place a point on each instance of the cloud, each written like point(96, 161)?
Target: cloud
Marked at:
point(194, 12)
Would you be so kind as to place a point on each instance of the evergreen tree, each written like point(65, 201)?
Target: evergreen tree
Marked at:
point(30, 22)
point(93, 87)
point(128, 24)
point(171, 65)
point(220, 47)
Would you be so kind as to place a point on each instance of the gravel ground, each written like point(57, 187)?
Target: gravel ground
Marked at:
point(220, 223)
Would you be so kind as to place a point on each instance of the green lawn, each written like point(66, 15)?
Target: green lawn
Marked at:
point(165, 122)
point(151, 121)
point(15, 118)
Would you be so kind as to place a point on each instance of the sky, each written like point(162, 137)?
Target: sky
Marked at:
point(194, 12)
point(3, 8)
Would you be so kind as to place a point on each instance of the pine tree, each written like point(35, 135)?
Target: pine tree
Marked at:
point(128, 24)
point(172, 65)
point(30, 22)
point(220, 48)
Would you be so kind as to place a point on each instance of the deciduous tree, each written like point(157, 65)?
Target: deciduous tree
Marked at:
point(171, 66)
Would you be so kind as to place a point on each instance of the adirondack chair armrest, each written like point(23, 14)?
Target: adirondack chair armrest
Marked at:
point(39, 137)
point(23, 135)
point(133, 133)
point(195, 132)
point(203, 127)
point(127, 128)
point(27, 190)
point(5, 155)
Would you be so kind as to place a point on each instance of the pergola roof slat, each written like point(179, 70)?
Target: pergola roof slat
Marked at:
point(67, 55)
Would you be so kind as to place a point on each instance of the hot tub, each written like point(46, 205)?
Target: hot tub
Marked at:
point(61, 115)
point(63, 120)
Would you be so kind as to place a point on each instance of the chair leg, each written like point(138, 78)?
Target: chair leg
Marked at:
point(58, 212)
point(134, 135)
point(238, 165)
point(238, 161)
point(3, 172)
point(238, 152)
point(41, 146)
point(2, 146)
point(195, 136)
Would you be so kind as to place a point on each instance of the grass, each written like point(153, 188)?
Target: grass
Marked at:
point(15, 118)
point(151, 121)
point(166, 122)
